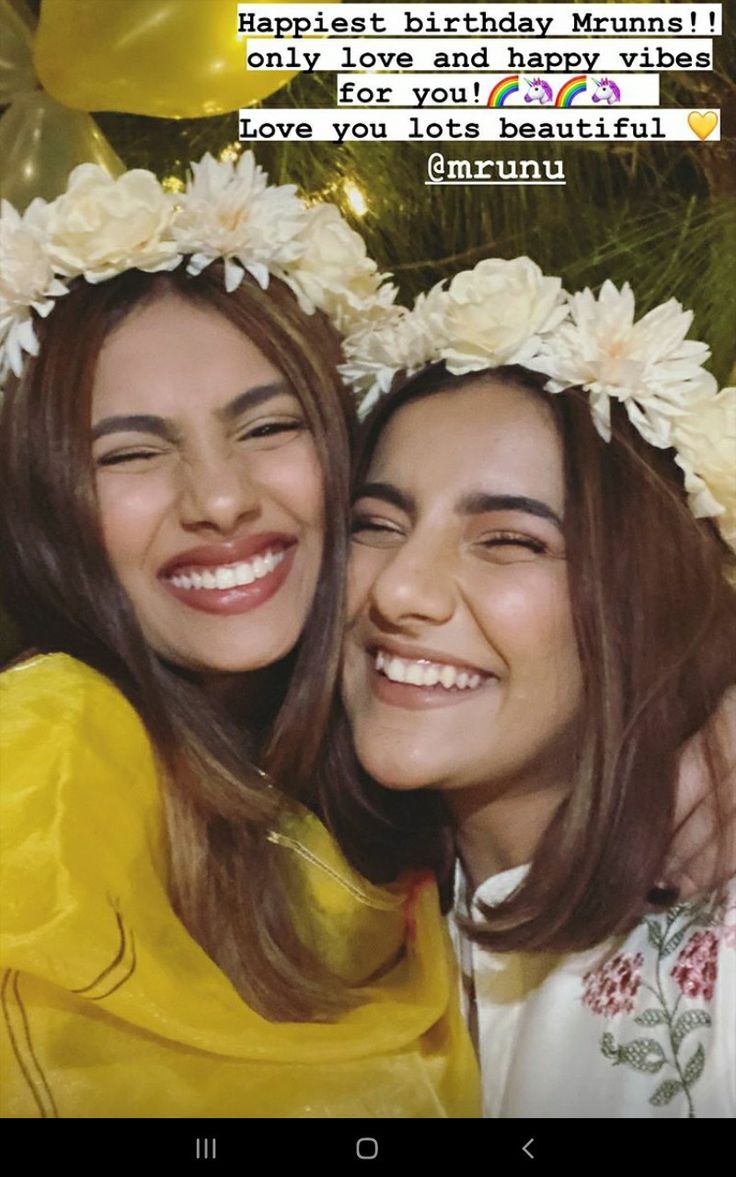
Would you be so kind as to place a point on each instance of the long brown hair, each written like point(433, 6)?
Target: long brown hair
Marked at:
point(226, 879)
point(655, 624)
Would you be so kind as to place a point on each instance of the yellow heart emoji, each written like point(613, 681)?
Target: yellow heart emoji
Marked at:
point(702, 124)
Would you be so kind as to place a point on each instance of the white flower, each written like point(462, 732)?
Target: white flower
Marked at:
point(377, 352)
point(705, 439)
point(334, 273)
point(27, 282)
point(230, 211)
point(649, 366)
point(101, 226)
point(498, 313)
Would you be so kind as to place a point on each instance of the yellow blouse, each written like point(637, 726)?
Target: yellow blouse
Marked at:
point(110, 1008)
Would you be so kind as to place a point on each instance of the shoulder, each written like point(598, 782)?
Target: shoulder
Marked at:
point(67, 730)
point(80, 810)
point(65, 699)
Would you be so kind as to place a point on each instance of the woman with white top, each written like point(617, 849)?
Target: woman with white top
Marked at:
point(540, 619)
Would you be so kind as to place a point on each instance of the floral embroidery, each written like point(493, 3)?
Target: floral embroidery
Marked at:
point(697, 966)
point(612, 989)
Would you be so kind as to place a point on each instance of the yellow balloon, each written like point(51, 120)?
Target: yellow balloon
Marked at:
point(169, 58)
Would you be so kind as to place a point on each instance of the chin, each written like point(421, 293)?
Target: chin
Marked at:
point(401, 774)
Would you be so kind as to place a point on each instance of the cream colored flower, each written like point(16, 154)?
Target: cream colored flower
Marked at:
point(377, 352)
point(231, 211)
point(101, 226)
point(705, 440)
point(498, 313)
point(27, 282)
point(649, 366)
point(334, 273)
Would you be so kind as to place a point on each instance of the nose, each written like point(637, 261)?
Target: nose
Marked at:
point(217, 490)
point(417, 585)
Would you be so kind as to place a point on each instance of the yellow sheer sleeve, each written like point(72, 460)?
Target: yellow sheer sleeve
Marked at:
point(111, 1009)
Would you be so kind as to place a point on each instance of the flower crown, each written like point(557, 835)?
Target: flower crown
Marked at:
point(101, 226)
point(508, 312)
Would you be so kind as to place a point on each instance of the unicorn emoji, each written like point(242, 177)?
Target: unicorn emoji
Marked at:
point(539, 91)
point(606, 91)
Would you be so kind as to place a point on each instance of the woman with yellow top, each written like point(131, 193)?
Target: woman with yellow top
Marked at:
point(178, 938)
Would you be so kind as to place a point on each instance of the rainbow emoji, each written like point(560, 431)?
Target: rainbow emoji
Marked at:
point(569, 92)
point(502, 89)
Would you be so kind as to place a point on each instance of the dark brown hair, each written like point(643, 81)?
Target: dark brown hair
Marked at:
point(226, 879)
point(655, 623)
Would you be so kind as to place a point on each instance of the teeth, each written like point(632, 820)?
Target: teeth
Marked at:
point(395, 670)
point(422, 674)
point(448, 674)
point(244, 574)
point(229, 575)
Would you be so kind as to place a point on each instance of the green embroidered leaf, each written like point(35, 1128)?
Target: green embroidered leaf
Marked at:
point(651, 1017)
point(665, 1092)
point(694, 1068)
point(609, 1048)
point(676, 940)
point(655, 933)
point(644, 1054)
point(687, 1022)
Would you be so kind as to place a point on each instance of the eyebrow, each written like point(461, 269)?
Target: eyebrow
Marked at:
point(477, 503)
point(163, 427)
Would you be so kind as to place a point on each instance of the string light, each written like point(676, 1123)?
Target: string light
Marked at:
point(172, 184)
point(355, 198)
point(231, 153)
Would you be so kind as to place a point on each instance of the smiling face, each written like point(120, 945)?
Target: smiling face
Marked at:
point(209, 487)
point(461, 667)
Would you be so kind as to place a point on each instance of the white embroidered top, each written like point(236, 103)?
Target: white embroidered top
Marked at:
point(644, 1026)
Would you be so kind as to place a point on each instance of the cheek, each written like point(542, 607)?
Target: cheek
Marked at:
point(528, 617)
point(292, 477)
point(130, 512)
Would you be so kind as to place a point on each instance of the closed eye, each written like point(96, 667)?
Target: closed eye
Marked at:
point(371, 530)
point(269, 429)
point(120, 457)
point(509, 539)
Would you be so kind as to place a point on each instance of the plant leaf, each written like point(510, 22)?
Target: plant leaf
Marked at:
point(676, 940)
point(694, 1068)
point(651, 1017)
point(688, 1021)
point(643, 1054)
point(665, 1092)
point(656, 935)
point(609, 1048)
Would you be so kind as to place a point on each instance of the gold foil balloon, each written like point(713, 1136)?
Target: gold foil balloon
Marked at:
point(40, 143)
point(169, 58)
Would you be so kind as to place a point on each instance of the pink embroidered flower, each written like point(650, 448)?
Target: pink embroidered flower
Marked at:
point(697, 965)
point(611, 989)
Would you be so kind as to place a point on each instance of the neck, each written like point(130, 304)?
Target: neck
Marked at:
point(251, 699)
point(499, 827)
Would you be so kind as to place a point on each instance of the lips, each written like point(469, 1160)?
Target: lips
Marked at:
point(232, 577)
